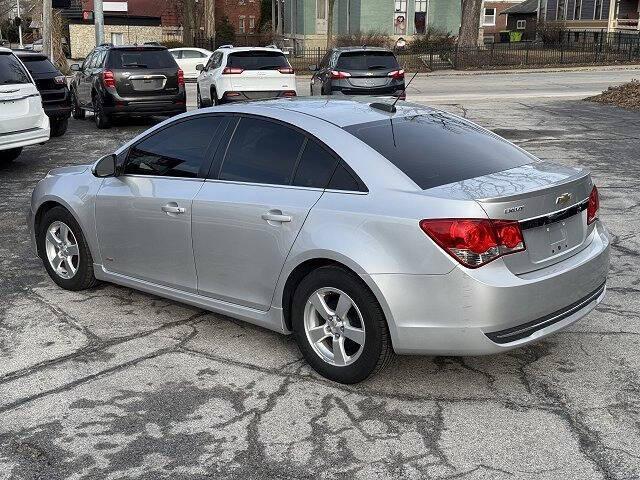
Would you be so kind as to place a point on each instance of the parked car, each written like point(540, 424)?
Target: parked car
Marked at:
point(52, 85)
point(22, 119)
point(245, 73)
point(124, 81)
point(358, 71)
point(36, 46)
point(189, 58)
point(425, 235)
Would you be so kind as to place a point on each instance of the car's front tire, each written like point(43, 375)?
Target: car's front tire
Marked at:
point(76, 112)
point(64, 250)
point(59, 126)
point(8, 156)
point(339, 325)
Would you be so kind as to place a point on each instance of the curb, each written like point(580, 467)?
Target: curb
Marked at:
point(594, 68)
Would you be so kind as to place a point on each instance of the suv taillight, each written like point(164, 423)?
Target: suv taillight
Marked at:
point(593, 206)
point(287, 70)
point(397, 74)
point(180, 78)
point(108, 80)
point(475, 242)
point(338, 75)
point(60, 80)
point(232, 70)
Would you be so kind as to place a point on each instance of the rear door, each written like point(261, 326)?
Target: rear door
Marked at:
point(143, 71)
point(368, 69)
point(20, 103)
point(260, 71)
point(246, 218)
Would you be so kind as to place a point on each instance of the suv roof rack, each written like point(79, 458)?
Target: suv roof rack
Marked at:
point(226, 46)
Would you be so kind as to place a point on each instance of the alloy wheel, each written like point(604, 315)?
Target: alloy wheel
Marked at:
point(334, 326)
point(62, 250)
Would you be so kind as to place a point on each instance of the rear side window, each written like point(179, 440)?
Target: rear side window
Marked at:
point(11, 70)
point(176, 151)
point(141, 58)
point(192, 54)
point(315, 167)
point(257, 60)
point(437, 149)
point(39, 65)
point(262, 152)
point(367, 61)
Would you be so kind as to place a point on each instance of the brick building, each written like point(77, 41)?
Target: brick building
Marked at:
point(243, 15)
point(492, 20)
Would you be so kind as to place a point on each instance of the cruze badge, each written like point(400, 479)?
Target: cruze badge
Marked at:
point(564, 198)
point(519, 208)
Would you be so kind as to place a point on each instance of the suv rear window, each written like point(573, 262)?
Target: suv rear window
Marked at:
point(437, 149)
point(141, 58)
point(257, 60)
point(364, 60)
point(11, 70)
point(38, 65)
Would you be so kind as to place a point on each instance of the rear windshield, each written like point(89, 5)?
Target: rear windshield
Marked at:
point(11, 70)
point(437, 149)
point(38, 65)
point(257, 60)
point(367, 61)
point(141, 58)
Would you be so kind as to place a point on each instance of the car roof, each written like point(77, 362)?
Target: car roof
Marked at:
point(248, 49)
point(345, 112)
point(362, 48)
point(30, 54)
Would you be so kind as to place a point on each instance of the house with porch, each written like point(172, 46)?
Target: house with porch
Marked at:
point(595, 15)
point(305, 21)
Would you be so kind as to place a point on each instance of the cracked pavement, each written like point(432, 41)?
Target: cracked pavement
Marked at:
point(113, 383)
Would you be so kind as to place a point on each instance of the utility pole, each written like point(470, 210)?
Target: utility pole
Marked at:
point(19, 26)
point(47, 29)
point(98, 15)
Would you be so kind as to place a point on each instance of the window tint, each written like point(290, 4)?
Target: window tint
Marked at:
point(436, 149)
point(37, 65)
point(192, 54)
point(257, 60)
point(367, 61)
point(11, 70)
point(175, 151)
point(315, 167)
point(343, 180)
point(262, 152)
point(141, 58)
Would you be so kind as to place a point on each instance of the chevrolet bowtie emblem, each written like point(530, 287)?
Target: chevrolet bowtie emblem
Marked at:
point(564, 198)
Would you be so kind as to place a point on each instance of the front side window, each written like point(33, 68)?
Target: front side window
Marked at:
point(176, 151)
point(262, 152)
point(192, 54)
point(11, 70)
point(489, 17)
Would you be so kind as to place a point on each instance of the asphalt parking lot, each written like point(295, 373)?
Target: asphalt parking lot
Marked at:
point(113, 383)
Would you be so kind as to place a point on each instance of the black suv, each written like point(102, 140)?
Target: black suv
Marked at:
point(127, 80)
point(358, 71)
point(52, 85)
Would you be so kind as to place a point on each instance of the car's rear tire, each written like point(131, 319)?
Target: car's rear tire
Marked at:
point(100, 117)
point(59, 126)
point(64, 250)
point(76, 112)
point(8, 156)
point(350, 340)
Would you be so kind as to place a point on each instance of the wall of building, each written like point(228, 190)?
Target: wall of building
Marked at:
point(237, 10)
point(501, 20)
point(82, 36)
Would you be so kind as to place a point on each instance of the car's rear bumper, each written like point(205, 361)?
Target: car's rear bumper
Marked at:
point(239, 96)
point(24, 138)
point(146, 108)
point(489, 309)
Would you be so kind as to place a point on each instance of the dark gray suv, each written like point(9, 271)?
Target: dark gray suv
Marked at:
point(358, 71)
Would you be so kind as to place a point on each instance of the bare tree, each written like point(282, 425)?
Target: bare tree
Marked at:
point(331, 6)
point(470, 23)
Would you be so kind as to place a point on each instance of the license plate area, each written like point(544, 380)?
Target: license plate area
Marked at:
point(148, 84)
point(11, 108)
point(555, 239)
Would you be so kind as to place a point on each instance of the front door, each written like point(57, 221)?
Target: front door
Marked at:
point(246, 219)
point(143, 216)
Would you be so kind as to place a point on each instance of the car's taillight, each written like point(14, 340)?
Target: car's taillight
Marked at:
point(108, 80)
point(594, 205)
point(232, 71)
point(289, 93)
point(397, 74)
point(180, 78)
point(60, 80)
point(475, 242)
point(287, 70)
point(337, 75)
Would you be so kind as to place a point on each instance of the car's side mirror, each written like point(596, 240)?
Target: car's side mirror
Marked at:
point(313, 68)
point(75, 67)
point(106, 166)
point(199, 67)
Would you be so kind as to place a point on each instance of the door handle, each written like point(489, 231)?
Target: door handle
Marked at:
point(276, 216)
point(173, 208)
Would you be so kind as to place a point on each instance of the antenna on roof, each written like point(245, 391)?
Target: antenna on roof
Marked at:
point(391, 108)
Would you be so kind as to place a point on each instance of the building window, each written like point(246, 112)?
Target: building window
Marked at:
point(241, 28)
point(543, 10)
point(577, 10)
point(521, 24)
point(597, 10)
point(489, 17)
point(401, 6)
point(400, 17)
point(561, 14)
point(117, 38)
point(420, 17)
point(321, 9)
point(252, 24)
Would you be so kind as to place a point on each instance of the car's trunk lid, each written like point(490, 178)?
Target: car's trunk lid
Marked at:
point(550, 203)
point(19, 107)
point(260, 72)
point(369, 78)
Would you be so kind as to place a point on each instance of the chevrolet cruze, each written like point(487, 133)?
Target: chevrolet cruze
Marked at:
point(362, 229)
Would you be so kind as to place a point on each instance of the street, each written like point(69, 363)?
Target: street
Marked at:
point(114, 383)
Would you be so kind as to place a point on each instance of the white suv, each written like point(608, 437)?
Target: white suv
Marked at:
point(22, 118)
point(247, 73)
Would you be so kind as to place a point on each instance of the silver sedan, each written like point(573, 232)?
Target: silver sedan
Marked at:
point(362, 229)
